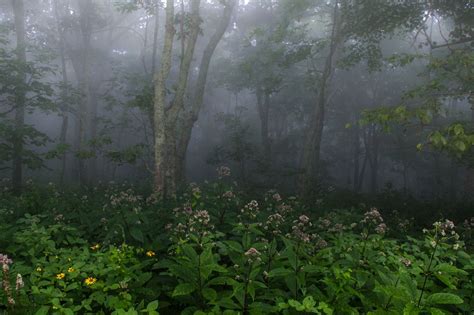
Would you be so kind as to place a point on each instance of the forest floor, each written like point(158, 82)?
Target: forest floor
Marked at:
point(217, 250)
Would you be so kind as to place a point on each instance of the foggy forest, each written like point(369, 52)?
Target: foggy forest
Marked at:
point(236, 157)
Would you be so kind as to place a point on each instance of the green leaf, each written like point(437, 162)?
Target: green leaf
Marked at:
point(152, 306)
point(43, 310)
point(137, 234)
point(279, 272)
point(444, 298)
point(209, 294)
point(183, 289)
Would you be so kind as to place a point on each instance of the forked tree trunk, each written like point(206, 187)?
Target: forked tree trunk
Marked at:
point(20, 96)
point(173, 125)
point(191, 114)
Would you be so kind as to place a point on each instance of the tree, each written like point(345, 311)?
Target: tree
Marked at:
point(18, 142)
point(174, 123)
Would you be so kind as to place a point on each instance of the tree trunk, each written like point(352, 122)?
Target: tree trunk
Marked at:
point(312, 146)
point(160, 99)
point(469, 180)
point(155, 37)
point(356, 155)
point(20, 97)
point(372, 151)
point(263, 106)
point(64, 94)
point(81, 68)
point(173, 125)
point(190, 116)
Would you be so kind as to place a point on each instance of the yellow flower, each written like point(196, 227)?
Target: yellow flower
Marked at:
point(150, 253)
point(95, 247)
point(90, 281)
point(60, 276)
point(39, 269)
point(70, 269)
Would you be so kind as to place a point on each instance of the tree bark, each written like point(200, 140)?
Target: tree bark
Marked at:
point(356, 155)
point(469, 179)
point(20, 96)
point(81, 69)
point(263, 106)
point(64, 94)
point(155, 37)
point(160, 99)
point(372, 151)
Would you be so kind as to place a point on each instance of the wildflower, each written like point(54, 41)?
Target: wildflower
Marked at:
point(299, 229)
point(321, 244)
point(4, 260)
point(228, 195)
point(39, 269)
point(252, 252)
point(284, 209)
point(381, 228)
point(405, 261)
point(250, 211)
point(223, 171)
point(372, 216)
point(195, 189)
point(150, 253)
point(19, 282)
point(253, 255)
point(273, 223)
point(71, 269)
point(60, 276)
point(303, 219)
point(90, 281)
point(95, 247)
point(276, 197)
point(325, 223)
point(456, 246)
point(338, 227)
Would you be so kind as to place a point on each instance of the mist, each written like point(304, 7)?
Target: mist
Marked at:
point(321, 106)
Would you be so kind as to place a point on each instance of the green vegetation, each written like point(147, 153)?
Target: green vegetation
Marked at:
point(214, 250)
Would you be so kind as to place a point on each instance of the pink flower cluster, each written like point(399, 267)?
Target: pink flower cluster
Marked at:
point(223, 171)
point(299, 230)
point(374, 217)
point(192, 222)
point(273, 223)
point(252, 255)
point(249, 212)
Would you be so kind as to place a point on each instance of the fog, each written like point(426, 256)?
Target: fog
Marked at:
point(236, 157)
point(303, 96)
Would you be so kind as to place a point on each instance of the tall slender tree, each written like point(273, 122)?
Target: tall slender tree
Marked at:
point(20, 94)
